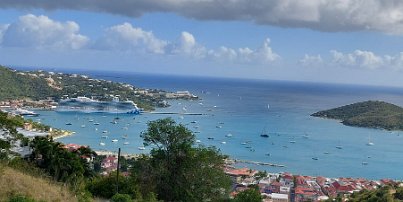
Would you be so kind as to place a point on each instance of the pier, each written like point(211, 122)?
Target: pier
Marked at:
point(191, 114)
point(259, 163)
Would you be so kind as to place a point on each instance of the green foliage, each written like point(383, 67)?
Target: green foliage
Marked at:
point(372, 114)
point(61, 164)
point(177, 171)
point(121, 198)
point(20, 198)
point(382, 194)
point(105, 186)
point(249, 195)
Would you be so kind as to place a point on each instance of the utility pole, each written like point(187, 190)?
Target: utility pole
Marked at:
point(117, 173)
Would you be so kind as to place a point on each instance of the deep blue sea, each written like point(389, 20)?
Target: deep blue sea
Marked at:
point(245, 108)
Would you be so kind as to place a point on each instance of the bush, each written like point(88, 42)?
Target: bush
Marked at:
point(20, 198)
point(121, 198)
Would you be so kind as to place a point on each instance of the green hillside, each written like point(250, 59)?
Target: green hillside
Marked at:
point(371, 114)
point(39, 85)
point(17, 86)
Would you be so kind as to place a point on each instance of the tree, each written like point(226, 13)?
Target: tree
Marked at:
point(249, 195)
point(121, 198)
point(177, 171)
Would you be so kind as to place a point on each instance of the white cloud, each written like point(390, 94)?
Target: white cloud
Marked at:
point(311, 60)
point(42, 32)
point(331, 16)
point(125, 37)
point(358, 58)
point(187, 45)
point(262, 55)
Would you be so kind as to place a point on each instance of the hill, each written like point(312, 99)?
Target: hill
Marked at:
point(40, 85)
point(14, 182)
point(370, 114)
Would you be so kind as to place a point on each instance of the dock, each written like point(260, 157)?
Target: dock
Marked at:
point(259, 163)
point(191, 114)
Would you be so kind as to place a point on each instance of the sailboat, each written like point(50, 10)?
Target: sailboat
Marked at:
point(369, 141)
point(264, 133)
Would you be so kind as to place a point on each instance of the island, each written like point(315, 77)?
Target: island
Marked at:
point(369, 114)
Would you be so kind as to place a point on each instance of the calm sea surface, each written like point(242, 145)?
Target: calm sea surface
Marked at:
point(245, 108)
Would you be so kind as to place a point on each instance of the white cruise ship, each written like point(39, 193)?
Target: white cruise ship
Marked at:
point(88, 105)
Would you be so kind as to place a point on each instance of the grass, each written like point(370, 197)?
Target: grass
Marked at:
point(14, 182)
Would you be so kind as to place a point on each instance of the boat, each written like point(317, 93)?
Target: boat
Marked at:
point(198, 141)
point(264, 133)
point(364, 163)
point(210, 138)
point(193, 122)
point(89, 105)
point(141, 148)
point(83, 126)
point(104, 136)
point(114, 122)
point(91, 120)
point(105, 131)
point(218, 126)
point(126, 143)
point(243, 143)
point(102, 144)
point(315, 158)
point(369, 142)
point(292, 141)
point(69, 124)
point(268, 154)
point(339, 147)
point(24, 112)
point(115, 140)
point(223, 142)
point(96, 123)
point(228, 135)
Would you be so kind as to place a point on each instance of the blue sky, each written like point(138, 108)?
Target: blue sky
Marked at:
point(342, 41)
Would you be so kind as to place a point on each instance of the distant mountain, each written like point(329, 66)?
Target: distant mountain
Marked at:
point(370, 114)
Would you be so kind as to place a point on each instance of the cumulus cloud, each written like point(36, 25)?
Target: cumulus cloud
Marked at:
point(42, 32)
point(330, 16)
point(358, 58)
point(311, 60)
point(263, 54)
point(363, 59)
point(125, 37)
point(187, 45)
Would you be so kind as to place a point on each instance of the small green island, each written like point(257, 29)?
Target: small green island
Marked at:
point(369, 114)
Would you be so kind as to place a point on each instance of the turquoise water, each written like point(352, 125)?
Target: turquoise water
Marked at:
point(240, 107)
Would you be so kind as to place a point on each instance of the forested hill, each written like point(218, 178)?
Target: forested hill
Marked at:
point(371, 114)
point(38, 85)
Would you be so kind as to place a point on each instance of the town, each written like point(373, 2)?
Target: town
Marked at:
point(274, 187)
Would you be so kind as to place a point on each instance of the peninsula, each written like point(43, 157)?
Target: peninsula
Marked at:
point(369, 114)
point(43, 89)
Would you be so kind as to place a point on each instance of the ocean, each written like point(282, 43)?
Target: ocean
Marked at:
point(246, 108)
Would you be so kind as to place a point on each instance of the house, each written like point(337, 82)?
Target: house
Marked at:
point(109, 163)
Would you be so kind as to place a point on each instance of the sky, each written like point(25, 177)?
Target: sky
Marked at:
point(334, 41)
